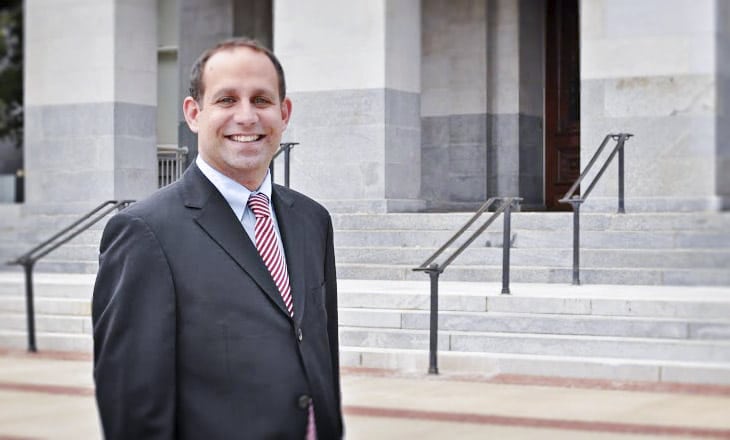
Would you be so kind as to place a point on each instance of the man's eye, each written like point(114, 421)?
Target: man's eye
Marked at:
point(226, 100)
point(261, 100)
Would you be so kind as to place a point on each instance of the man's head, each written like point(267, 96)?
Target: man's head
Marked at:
point(239, 109)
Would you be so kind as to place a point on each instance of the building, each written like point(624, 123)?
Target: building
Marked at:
point(419, 106)
point(399, 105)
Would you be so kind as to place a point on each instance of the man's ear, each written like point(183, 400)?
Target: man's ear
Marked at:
point(191, 110)
point(286, 110)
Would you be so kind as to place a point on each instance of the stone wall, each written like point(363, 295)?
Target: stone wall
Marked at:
point(353, 77)
point(90, 96)
point(649, 68)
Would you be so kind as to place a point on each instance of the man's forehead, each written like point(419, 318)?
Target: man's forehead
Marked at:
point(231, 60)
point(226, 54)
point(216, 78)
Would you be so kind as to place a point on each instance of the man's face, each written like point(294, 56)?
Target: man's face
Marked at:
point(240, 118)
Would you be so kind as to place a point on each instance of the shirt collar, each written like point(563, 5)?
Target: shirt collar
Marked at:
point(235, 194)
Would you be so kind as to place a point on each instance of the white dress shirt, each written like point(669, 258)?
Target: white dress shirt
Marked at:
point(237, 197)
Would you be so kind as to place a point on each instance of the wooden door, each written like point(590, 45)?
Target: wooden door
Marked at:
point(562, 101)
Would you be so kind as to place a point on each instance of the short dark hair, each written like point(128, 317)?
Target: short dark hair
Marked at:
point(196, 73)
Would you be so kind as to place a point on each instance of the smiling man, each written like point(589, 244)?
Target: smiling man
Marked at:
point(215, 304)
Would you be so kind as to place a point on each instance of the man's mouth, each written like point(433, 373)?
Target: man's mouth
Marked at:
point(245, 138)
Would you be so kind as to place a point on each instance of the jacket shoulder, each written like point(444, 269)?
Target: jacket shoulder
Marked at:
point(301, 201)
point(158, 205)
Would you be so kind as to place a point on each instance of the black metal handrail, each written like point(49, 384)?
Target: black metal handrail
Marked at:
point(29, 259)
point(284, 147)
point(576, 200)
point(434, 270)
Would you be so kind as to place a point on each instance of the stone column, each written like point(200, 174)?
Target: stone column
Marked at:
point(514, 100)
point(90, 96)
point(453, 104)
point(649, 68)
point(531, 103)
point(354, 78)
point(503, 98)
point(202, 24)
point(723, 104)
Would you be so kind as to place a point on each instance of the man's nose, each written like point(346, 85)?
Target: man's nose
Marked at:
point(245, 113)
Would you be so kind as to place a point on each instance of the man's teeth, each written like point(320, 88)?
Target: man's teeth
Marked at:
point(240, 138)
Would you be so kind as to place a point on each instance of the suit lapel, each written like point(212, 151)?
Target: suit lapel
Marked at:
point(292, 234)
point(217, 219)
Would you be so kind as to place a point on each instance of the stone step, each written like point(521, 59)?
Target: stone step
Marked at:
point(450, 362)
point(691, 303)
point(358, 339)
point(706, 221)
point(539, 239)
point(537, 344)
point(48, 285)
point(556, 324)
point(74, 251)
point(596, 258)
point(64, 311)
point(542, 274)
point(68, 266)
point(33, 229)
point(687, 303)
point(47, 306)
point(84, 265)
point(69, 324)
point(31, 236)
point(49, 224)
point(82, 343)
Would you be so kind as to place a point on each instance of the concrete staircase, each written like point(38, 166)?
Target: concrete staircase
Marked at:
point(62, 308)
point(80, 255)
point(630, 320)
point(658, 334)
point(635, 249)
point(636, 333)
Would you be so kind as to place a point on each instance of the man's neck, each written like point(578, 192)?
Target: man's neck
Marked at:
point(252, 182)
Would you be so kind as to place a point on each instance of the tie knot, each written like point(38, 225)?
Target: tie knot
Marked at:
point(259, 204)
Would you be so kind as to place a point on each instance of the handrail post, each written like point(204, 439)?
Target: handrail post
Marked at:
point(29, 310)
point(286, 165)
point(506, 244)
point(575, 200)
point(621, 209)
point(575, 203)
point(284, 147)
point(433, 273)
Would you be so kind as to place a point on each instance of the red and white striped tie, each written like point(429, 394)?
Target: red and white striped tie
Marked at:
point(268, 247)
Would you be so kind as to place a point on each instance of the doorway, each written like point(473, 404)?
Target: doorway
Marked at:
point(562, 100)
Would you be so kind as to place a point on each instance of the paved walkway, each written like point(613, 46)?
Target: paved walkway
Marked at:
point(50, 396)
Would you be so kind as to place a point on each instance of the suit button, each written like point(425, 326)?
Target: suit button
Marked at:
point(300, 335)
point(304, 401)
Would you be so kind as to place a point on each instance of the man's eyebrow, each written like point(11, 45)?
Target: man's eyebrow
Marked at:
point(224, 91)
point(264, 91)
point(234, 92)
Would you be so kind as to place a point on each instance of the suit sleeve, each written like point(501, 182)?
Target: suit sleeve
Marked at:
point(332, 319)
point(133, 313)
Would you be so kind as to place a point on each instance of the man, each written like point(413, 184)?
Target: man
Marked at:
point(215, 305)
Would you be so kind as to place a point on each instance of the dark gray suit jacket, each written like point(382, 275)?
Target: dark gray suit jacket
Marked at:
point(191, 337)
